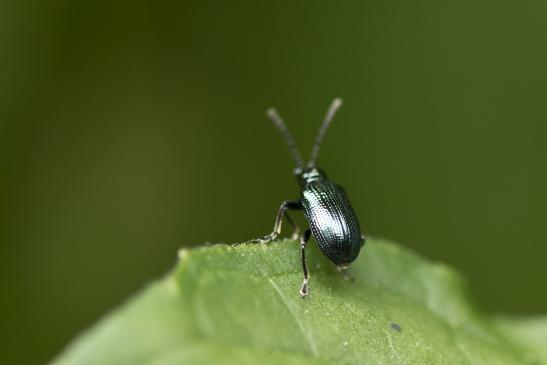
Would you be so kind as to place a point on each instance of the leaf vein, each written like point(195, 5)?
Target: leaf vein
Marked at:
point(307, 334)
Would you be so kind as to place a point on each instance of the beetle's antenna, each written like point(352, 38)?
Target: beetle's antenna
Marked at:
point(287, 136)
point(334, 105)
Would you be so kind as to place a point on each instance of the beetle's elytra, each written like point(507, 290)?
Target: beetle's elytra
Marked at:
point(326, 206)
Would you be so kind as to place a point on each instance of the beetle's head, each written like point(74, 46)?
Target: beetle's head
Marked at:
point(306, 175)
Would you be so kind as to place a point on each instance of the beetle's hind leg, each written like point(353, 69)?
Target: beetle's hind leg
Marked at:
point(344, 273)
point(292, 205)
point(304, 290)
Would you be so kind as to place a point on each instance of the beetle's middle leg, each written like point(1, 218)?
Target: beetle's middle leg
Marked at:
point(304, 291)
point(294, 226)
point(283, 211)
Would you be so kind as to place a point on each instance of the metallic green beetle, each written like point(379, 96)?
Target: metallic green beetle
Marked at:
point(332, 220)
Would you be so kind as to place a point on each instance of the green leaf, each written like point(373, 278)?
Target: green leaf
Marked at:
point(240, 305)
point(529, 333)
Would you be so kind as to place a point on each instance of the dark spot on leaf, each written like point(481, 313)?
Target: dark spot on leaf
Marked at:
point(395, 327)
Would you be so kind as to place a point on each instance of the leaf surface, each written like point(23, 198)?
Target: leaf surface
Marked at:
point(240, 305)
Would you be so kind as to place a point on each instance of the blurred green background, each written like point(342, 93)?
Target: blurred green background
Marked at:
point(130, 129)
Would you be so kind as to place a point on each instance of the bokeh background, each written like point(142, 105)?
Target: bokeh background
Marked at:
point(131, 129)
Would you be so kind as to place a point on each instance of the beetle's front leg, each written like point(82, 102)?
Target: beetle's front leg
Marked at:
point(304, 291)
point(292, 205)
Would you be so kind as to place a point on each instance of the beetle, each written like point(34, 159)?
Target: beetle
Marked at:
point(326, 206)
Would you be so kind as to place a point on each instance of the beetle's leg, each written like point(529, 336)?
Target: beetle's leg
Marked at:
point(344, 273)
point(293, 205)
point(295, 228)
point(304, 291)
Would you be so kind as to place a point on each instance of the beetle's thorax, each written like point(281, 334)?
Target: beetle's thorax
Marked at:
point(307, 175)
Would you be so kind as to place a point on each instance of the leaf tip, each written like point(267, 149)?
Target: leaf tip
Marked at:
point(182, 254)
